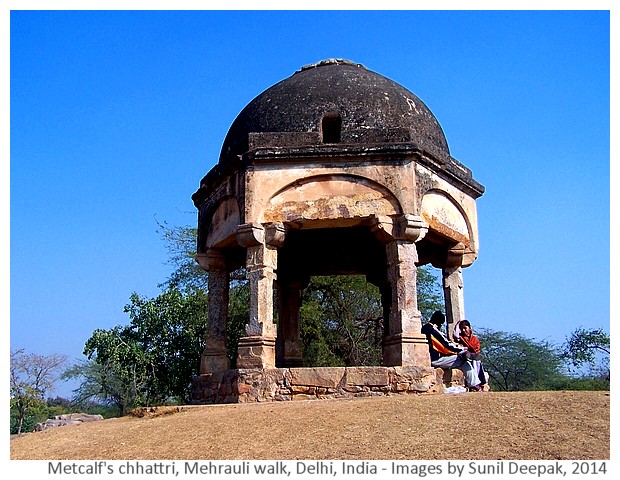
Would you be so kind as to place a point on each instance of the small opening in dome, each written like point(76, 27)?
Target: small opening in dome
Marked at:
point(330, 127)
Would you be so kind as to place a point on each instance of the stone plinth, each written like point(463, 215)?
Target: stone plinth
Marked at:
point(285, 384)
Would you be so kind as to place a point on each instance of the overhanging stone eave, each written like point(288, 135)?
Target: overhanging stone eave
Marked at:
point(456, 174)
point(215, 177)
point(335, 152)
point(450, 169)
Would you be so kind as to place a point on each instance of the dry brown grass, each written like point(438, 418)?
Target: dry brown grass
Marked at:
point(525, 426)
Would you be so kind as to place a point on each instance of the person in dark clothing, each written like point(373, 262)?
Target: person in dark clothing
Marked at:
point(445, 354)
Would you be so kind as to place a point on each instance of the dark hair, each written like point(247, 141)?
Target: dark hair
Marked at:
point(437, 318)
point(465, 323)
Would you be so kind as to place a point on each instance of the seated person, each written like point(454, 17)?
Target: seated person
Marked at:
point(466, 337)
point(447, 355)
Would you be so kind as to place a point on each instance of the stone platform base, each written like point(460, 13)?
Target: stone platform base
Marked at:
point(284, 384)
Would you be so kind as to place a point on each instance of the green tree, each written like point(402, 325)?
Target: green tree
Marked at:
point(430, 295)
point(37, 413)
point(121, 369)
point(150, 361)
point(107, 381)
point(515, 362)
point(170, 329)
point(585, 346)
point(180, 244)
point(32, 376)
point(342, 318)
point(341, 322)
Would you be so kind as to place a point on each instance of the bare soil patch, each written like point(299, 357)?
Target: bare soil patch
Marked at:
point(502, 426)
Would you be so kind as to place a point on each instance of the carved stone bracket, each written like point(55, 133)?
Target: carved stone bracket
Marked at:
point(411, 228)
point(250, 234)
point(469, 257)
point(275, 234)
point(212, 259)
point(454, 257)
point(383, 228)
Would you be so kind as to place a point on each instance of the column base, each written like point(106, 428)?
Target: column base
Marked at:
point(214, 361)
point(406, 350)
point(256, 352)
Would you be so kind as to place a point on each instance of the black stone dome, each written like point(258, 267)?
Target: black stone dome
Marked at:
point(369, 108)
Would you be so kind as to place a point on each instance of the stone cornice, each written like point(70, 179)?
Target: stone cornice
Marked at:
point(449, 168)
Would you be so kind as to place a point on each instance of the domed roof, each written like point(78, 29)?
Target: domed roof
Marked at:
point(369, 108)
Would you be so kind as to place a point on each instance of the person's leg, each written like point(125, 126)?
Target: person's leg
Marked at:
point(470, 374)
point(482, 375)
point(479, 371)
point(454, 361)
point(448, 361)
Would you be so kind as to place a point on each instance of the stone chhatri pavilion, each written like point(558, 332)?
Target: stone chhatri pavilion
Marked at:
point(334, 170)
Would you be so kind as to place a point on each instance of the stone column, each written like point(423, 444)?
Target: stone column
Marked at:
point(386, 305)
point(288, 346)
point(257, 348)
point(453, 287)
point(404, 344)
point(215, 358)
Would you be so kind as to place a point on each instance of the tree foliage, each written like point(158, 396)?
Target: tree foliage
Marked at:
point(170, 330)
point(342, 318)
point(583, 345)
point(151, 360)
point(180, 244)
point(430, 295)
point(341, 322)
point(515, 362)
point(32, 376)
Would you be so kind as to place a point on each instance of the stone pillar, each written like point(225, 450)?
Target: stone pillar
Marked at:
point(215, 358)
point(386, 305)
point(257, 348)
point(453, 287)
point(404, 344)
point(288, 346)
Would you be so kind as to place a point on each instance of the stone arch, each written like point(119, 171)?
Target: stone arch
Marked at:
point(445, 216)
point(340, 198)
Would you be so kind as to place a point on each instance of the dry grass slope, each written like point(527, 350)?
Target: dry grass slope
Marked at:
point(524, 425)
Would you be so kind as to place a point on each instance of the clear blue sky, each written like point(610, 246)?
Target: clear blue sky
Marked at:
point(116, 116)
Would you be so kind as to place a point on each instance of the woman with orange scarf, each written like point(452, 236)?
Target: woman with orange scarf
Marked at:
point(464, 335)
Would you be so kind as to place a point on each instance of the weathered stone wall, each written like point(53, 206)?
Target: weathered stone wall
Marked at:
point(285, 384)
